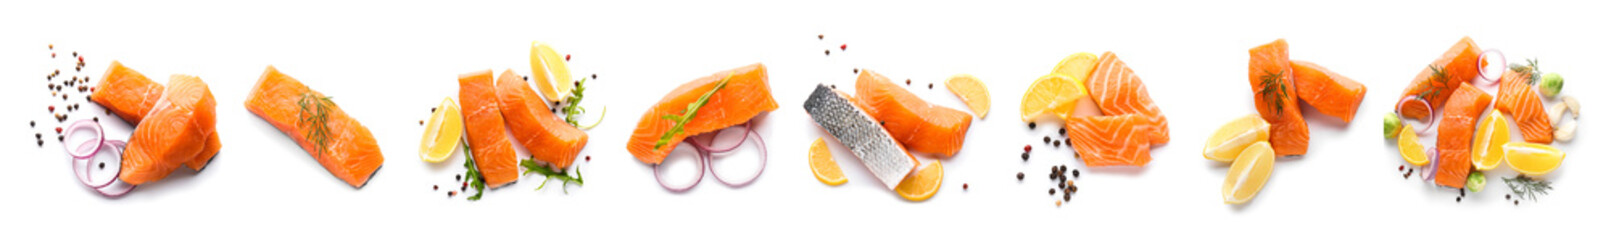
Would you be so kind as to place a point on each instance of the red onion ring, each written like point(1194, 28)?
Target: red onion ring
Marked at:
point(1431, 114)
point(83, 172)
point(113, 187)
point(1482, 72)
point(94, 148)
point(706, 155)
point(1429, 171)
point(759, 145)
point(714, 135)
point(702, 156)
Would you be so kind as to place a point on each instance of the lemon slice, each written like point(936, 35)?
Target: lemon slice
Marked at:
point(1248, 174)
point(971, 91)
point(1078, 65)
point(1409, 146)
point(1532, 159)
point(553, 78)
point(442, 133)
point(1231, 138)
point(922, 184)
point(1492, 133)
point(823, 165)
point(1057, 95)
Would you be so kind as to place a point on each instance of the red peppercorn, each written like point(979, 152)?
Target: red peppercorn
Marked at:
point(53, 108)
point(58, 129)
point(567, 57)
point(841, 47)
point(1026, 147)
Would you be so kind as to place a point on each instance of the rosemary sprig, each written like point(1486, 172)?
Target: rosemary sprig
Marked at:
point(1274, 90)
point(472, 174)
point(1528, 188)
point(315, 117)
point(688, 114)
point(565, 178)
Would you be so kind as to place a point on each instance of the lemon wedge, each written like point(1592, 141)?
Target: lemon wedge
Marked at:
point(1233, 137)
point(823, 165)
point(971, 91)
point(442, 133)
point(1531, 158)
point(922, 185)
point(1057, 95)
point(1248, 173)
point(1409, 146)
point(548, 67)
point(1492, 133)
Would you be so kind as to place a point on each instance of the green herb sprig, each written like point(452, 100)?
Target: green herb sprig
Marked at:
point(1528, 188)
point(315, 117)
point(1440, 76)
point(565, 179)
point(574, 108)
point(1531, 69)
point(688, 114)
point(1274, 90)
point(472, 174)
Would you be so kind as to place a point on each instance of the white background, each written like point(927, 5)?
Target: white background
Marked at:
point(387, 63)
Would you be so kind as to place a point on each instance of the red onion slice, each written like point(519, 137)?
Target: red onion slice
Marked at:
point(760, 144)
point(94, 144)
point(85, 166)
point(1432, 116)
point(1430, 170)
point(116, 189)
point(702, 158)
point(1490, 77)
point(714, 135)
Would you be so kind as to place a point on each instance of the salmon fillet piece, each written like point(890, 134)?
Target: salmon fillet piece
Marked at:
point(179, 123)
point(921, 126)
point(1440, 79)
point(1118, 91)
point(1122, 140)
point(546, 136)
point(1455, 131)
point(342, 145)
point(1518, 99)
point(130, 95)
point(483, 124)
point(1330, 93)
point(746, 95)
point(1270, 73)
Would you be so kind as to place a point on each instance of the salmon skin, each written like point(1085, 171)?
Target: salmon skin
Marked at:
point(746, 95)
point(1118, 91)
point(1269, 72)
point(175, 131)
point(548, 138)
point(851, 124)
point(130, 95)
point(342, 145)
point(1517, 98)
point(1441, 78)
point(920, 125)
point(1328, 92)
point(484, 125)
point(1122, 140)
point(1455, 131)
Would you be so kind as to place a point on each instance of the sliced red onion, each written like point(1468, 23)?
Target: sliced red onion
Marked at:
point(713, 136)
point(1431, 168)
point(702, 158)
point(1431, 113)
point(760, 144)
point(94, 144)
point(112, 187)
point(84, 166)
point(116, 189)
point(1490, 77)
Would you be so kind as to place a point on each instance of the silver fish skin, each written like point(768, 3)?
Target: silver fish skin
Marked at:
point(865, 137)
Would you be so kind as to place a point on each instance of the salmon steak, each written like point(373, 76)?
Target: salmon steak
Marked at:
point(130, 95)
point(1455, 132)
point(1270, 74)
point(745, 96)
point(535, 127)
point(1329, 93)
point(484, 126)
point(921, 126)
point(1118, 91)
point(174, 133)
point(1517, 98)
point(1122, 140)
point(1440, 79)
point(342, 145)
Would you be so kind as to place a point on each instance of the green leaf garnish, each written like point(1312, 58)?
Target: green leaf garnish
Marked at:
point(1274, 90)
point(473, 174)
point(531, 165)
point(1528, 188)
point(688, 114)
point(315, 117)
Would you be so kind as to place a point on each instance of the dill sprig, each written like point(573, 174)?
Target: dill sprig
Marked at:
point(1528, 188)
point(315, 117)
point(1531, 69)
point(688, 114)
point(565, 178)
point(1441, 78)
point(1274, 90)
point(472, 174)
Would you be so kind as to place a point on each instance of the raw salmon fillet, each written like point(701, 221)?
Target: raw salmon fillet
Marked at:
point(1457, 65)
point(483, 123)
point(341, 144)
point(921, 126)
point(746, 95)
point(547, 137)
point(1518, 99)
point(1459, 122)
point(1330, 93)
point(1270, 74)
point(130, 95)
point(1118, 91)
point(1122, 140)
point(174, 134)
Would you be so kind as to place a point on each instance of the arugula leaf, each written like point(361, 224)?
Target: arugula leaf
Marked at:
point(473, 174)
point(688, 114)
point(530, 164)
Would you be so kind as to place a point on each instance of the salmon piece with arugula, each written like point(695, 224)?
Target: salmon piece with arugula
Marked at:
point(1455, 132)
point(1440, 79)
point(484, 126)
point(130, 95)
point(534, 125)
point(174, 132)
point(1328, 92)
point(920, 125)
point(744, 94)
point(1270, 74)
point(1118, 91)
point(342, 145)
